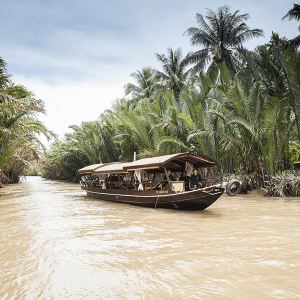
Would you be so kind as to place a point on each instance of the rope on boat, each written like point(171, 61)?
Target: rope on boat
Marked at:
point(156, 201)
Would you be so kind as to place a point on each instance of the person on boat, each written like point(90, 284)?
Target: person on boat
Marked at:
point(171, 178)
point(196, 180)
point(186, 180)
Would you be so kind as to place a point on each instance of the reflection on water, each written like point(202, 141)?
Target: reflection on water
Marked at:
point(56, 243)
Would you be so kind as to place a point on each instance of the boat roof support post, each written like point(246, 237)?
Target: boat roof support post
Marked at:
point(106, 180)
point(110, 181)
point(207, 176)
point(166, 172)
point(121, 184)
point(149, 179)
point(132, 179)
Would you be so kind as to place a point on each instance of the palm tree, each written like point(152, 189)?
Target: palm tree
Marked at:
point(89, 143)
point(175, 70)
point(221, 35)
point(3, 74)
point(146, 84)
point(294, 14)
point(19, 128)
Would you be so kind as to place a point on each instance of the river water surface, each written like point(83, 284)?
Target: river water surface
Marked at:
point(56, 243)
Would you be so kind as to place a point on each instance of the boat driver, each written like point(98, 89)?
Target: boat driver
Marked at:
point(196, 180)
point(186, 180)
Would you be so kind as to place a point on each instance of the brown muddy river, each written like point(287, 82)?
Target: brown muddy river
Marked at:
point(56, 243)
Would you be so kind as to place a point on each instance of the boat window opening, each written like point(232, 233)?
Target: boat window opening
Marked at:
point(114, 181)
point(150, 180)
point(83, 181)
point(204, 173)
point(101, 181)
point(139, 176)
point(149, 185)
point(95, 181)
point(127, 178)
point(86, 180)
point(120, 181)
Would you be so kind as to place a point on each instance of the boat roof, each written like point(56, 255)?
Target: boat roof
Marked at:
point(113, 168)
point(90, 169)
point(172, 162)
point(297, 162)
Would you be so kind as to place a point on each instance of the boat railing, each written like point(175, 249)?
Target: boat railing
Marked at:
point(147, 185)
point(134, 185)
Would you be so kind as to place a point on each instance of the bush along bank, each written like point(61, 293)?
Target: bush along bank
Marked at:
point(285, 184)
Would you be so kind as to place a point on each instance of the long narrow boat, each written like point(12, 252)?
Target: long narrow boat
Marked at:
point(146, 182)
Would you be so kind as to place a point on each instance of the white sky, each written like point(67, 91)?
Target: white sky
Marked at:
point(77, 55)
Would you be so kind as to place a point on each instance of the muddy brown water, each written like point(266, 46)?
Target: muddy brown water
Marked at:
point(56, 243)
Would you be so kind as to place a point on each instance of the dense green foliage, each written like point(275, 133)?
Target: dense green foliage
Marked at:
point(242, 110)
point(241, 107)
point(19, 127)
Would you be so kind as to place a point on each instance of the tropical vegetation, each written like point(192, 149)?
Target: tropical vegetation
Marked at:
point(294, 14)
point(239, 106)
point(220, 35)
point(19, 127)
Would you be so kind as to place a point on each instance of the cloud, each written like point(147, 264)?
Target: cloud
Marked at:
point(72, 103)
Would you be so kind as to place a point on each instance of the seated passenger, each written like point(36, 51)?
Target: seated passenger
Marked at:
point(196, 180)
point(186, 180)
point(171, 178)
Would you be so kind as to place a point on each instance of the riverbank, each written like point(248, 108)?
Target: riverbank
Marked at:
point(285, 184)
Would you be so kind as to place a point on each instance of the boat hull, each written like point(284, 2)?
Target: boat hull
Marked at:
point(168, 199)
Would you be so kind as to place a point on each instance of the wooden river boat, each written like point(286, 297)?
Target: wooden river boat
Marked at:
point(146, 182)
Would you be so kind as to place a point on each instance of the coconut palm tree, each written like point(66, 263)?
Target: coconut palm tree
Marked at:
point(290, 62)
point(89, 143)
point(221, 34)
point(4, 77)
point(294, 14)
point(19, 130)
point(175, 72)
point(19, 126)
point(146, 83)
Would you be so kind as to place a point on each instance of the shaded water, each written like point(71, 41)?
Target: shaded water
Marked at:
point(56, 243)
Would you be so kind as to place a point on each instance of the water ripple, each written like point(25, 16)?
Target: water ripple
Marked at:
point(56, 243)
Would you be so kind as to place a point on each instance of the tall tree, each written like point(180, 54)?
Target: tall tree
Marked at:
point(175, 70)
point(19, 125)
point(294, 14)
point(4, 77)
point(221, 34)
point(145, 84)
